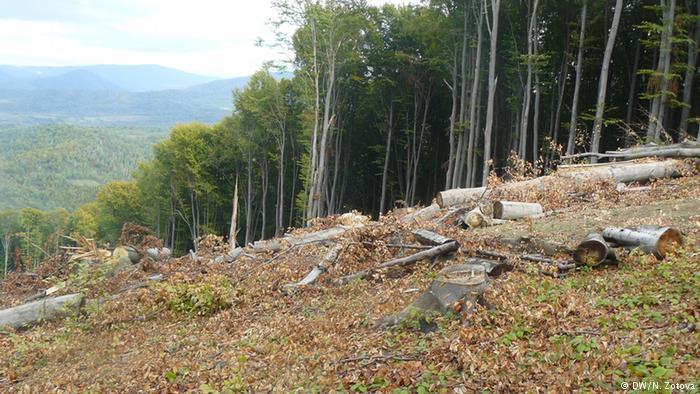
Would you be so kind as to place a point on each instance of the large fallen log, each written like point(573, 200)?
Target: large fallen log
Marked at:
point(511, 210)
point(620, 172)
point(650, 239)
point(684, 149)
point(444, 248)
point(425, 213)
point(328, 260)
point(44, 310)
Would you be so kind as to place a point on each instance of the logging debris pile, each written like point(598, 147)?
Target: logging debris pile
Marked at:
point(280, 317)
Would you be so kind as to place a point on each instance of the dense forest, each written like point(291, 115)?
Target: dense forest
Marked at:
point(388, 105)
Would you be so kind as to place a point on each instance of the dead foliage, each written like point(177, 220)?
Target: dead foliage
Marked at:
point(588, 331)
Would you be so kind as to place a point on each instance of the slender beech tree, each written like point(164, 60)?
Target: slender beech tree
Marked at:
point(603, 80)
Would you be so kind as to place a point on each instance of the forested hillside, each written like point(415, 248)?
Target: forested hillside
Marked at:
point(61, 166)
point(389, 105)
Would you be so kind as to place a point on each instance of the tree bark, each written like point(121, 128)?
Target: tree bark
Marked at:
point(577, 85)
point(473, 129)
point(385, 172)
point(603, 81)
point(510, 210)
point(234, 219)
point(689, 76)
point(654, 240)
point(44, 310)
point(621, 172)
point(495, 7)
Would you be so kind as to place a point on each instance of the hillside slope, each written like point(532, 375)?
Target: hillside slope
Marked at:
point(218, 327)
point(58, 166)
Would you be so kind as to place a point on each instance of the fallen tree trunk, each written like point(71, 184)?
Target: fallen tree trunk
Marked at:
point(425, 213)
point(328, 260)
point(44, 310)
point(620, 172)
point(593, 250)
point(510, 210)
point(428, 253)
point(683, 149)
point(650, 239)
point(430, 238)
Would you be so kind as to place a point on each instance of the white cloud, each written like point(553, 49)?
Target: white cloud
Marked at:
point(214, 37)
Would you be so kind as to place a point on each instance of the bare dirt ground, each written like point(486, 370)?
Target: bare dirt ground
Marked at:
point(594, 330)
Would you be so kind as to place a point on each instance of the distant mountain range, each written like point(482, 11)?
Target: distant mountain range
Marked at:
point(113, 95)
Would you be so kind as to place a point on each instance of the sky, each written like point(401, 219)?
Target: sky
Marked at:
point(209, 37)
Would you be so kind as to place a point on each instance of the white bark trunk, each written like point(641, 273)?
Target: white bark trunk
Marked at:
point(603, 81)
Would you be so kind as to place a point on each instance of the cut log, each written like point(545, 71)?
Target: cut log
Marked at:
point(475, 218)
point(593, 250)
point(453, 216)
point(510, 210)
point(650, 239)
point(683, 149)
point(426, 213)
point(432, 252)
point(44, 310)
point(328, 260)
point(430, 238)
point(625, 172)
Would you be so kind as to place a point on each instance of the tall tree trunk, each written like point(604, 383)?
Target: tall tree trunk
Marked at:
point(689, 76)
point(527, 94)
point(453, 118)
point(6, 247)
point(318, 209)
point(658, 105)
point(279, 216)
point(387, 153)
point(264, 178)
point(461, 146)
point(538, 94)
point(249, 202)
point(663, 104)
point(631, 94)
point(577, 85)
point(234, 219)
point(473, 130)
point(314, 138)
point(603, 81)
point(488, 131)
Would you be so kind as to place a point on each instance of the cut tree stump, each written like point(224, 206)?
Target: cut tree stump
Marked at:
point(456, 289)
point(47, 309)
point(650, 239)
